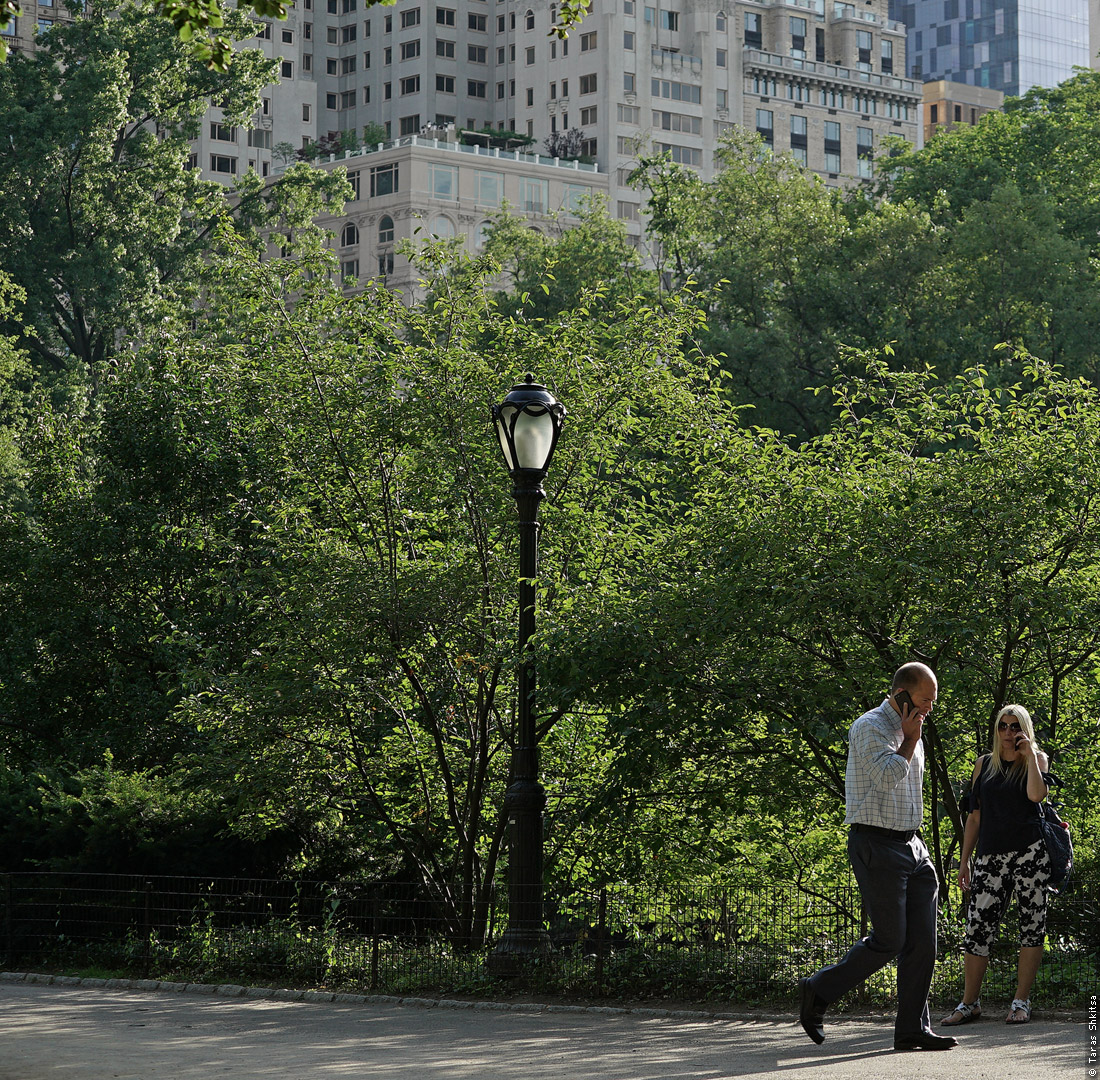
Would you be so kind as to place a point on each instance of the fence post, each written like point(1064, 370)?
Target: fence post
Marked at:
point(601, 939)
point(9, 919)
point(374, 944)
point(147, 931)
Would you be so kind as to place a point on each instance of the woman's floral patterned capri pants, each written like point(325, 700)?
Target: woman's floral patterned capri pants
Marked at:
point(990, 888)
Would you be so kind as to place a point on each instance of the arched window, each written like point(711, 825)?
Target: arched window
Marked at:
point(720, 21)
point(385, 230)
point(530, 19)
point(481, 234)
point(442, 227)
point(349, 235)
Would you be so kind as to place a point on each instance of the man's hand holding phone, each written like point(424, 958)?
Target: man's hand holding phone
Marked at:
point(912, 722)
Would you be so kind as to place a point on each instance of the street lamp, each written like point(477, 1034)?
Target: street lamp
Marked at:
point(528, 423)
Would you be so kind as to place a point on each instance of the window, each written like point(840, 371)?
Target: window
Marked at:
point(534, 195)
point(675, 91)
point(630, 114)
point(832, 146)
point(330, 65)
point(410, 125)
point(410, 18)
point(387, 24)
point(349, 269)
point(629, 82)
point(765, 125)
point(722, 98)
point(348, 33)
point(754, 39)
point(264, 33)
point(477, 54)
point(307, 114)
point(501, 24)
point(864, 151)
point(347, 65)
point(441, 227)
point(349, 235)
point(488, 188)
point(353, 179)
point(410, 84)
point(446, 49)
point(958, 113)
point(530, 96)
point(588, 84)
point(476, 89)
point(223, 132)
point(529, 20)
point(629, 211)
point(477, 22)
point(366, 95)
point(410, 50)
point(366, 61)
point(260, 138)
point(588, 116)
point(798, 36)
point(387, 91)
point(670, 121)
point(720, 58)
point(481, 234)
point(500, 54)
point(443, 181)
point(863, 50)
point(286, 69)
point(934, 114)
point(219, 163)
point(331, 35)
point(529, 55)
point(387, 55)
point(887, 57)
point(347, 99)
point(288, 35)
point(588, 147)
point(588, 41)
point(445, 16)
point(331, 101)
point(445, 84)
point(347, 6)
point(565, 88)
point(500, 91)
point(720, 21)
point(383, 180)
point(628, 40)
point(385, 230)
point(385, 264)
point(553, 91)
point(684, 155)
point(670, 20)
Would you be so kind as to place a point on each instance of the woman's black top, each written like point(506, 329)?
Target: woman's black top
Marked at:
point(1010, 820)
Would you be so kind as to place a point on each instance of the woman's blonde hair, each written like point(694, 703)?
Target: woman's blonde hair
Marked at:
point(1018, 768)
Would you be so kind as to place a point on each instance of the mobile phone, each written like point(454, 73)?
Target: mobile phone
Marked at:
point(1016, 741)
point(903, 697)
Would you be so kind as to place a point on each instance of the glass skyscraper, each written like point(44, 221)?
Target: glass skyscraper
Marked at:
point(1007, 45)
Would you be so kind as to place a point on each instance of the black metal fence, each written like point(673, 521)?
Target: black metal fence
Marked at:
point(740, 945)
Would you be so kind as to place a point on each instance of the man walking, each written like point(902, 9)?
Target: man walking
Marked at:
point(884, 808)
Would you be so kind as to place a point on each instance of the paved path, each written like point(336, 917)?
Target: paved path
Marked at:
point(55, 1032)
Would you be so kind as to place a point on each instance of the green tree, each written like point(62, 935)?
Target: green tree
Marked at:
point(111, 230)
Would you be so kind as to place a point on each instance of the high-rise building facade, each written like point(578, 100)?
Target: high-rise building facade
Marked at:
point(1006, 45)
point(825, 80)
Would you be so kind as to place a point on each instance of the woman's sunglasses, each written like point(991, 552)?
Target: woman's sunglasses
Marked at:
point(1002, 726)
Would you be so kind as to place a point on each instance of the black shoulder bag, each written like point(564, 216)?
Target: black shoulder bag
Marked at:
point(1057, 841)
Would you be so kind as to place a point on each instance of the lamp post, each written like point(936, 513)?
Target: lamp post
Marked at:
point(528, 423)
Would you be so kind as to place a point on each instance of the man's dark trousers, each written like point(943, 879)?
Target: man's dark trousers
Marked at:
point(899, 888)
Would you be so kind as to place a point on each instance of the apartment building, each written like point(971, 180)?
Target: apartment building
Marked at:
point(949, 104)
point(823, 79)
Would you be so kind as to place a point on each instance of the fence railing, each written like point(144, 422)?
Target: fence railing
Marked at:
point(745, 945)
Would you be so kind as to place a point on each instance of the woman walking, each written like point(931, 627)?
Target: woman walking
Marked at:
point(1003, 827)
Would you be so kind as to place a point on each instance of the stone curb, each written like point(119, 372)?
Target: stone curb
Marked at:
point(267, 993)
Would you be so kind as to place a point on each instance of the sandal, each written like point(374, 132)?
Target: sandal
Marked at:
point(1019, 1006)
point(966, 1013)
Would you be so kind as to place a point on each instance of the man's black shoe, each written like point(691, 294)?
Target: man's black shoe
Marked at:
point(924, 1040)
point(811, 1011)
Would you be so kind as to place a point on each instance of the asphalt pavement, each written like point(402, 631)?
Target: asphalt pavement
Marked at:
point(91, 1030)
